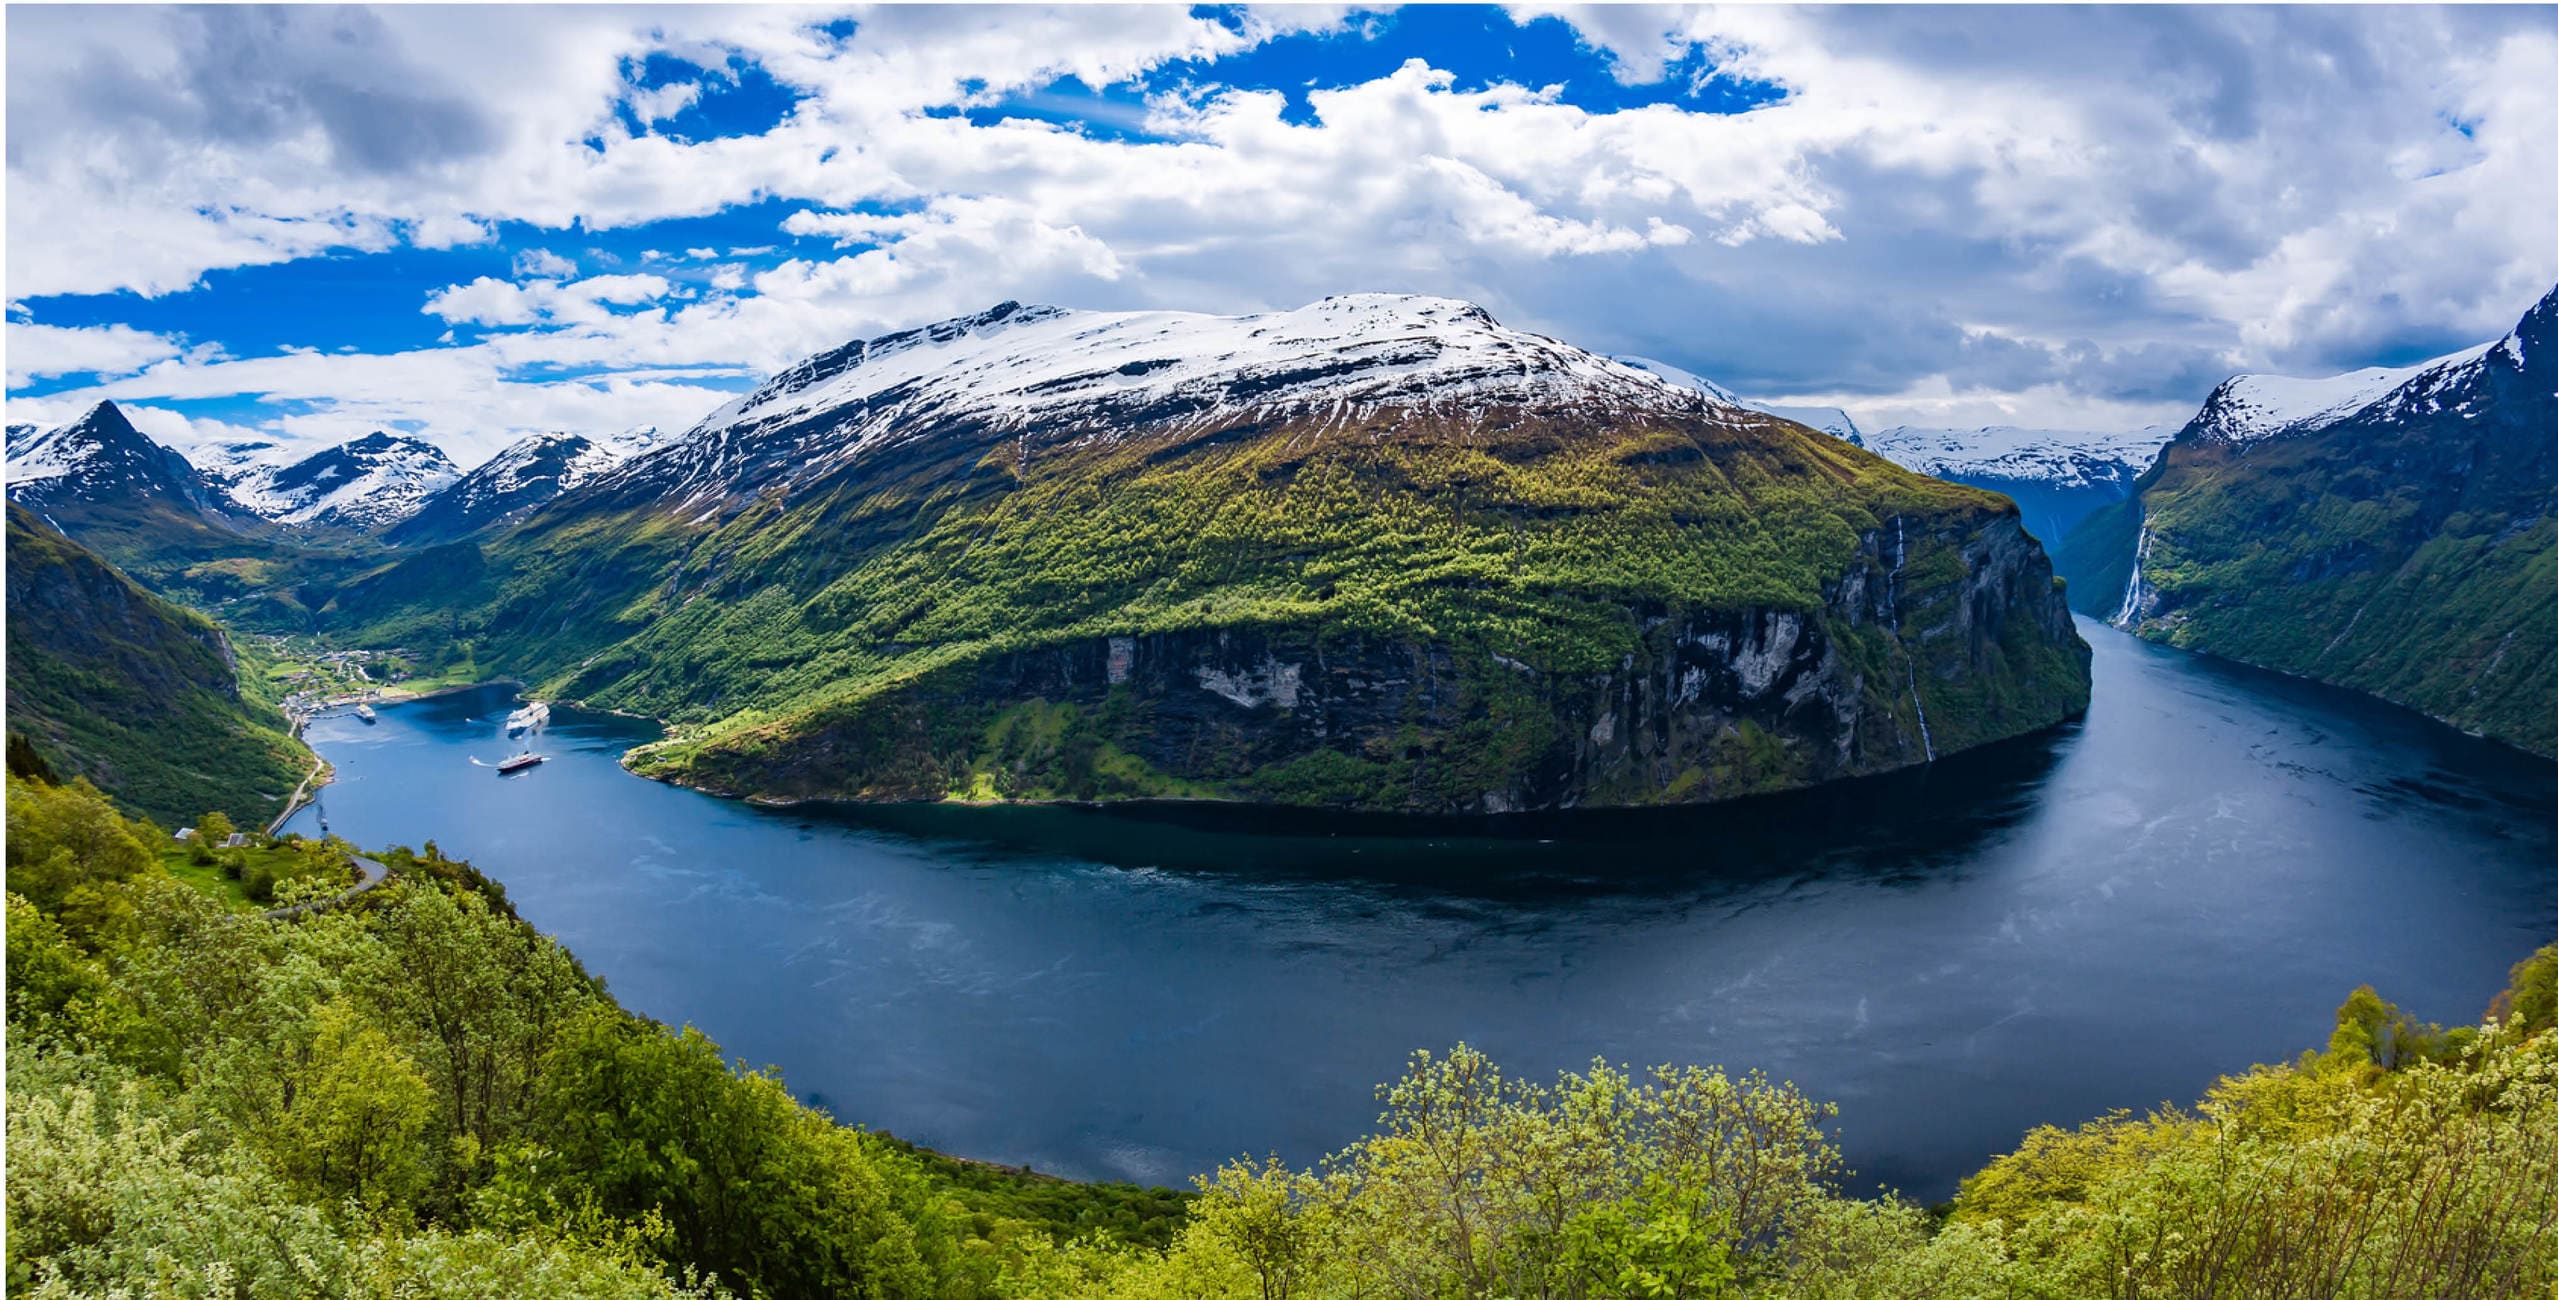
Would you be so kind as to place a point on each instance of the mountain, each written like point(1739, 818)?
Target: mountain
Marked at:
point(1828, 419)
point(2392, 531)
point(101, 459)
point(363, 486)
point(1379, 551)
point(2056, 476)
point(139, 504)
point(140, 696)
point(505, 487)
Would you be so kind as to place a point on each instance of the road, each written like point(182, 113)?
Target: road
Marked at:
point(295, 803)
point(374, 873)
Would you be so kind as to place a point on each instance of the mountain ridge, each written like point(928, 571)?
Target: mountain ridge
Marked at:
point(1236, 556)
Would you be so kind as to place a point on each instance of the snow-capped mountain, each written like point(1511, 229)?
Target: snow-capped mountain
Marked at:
point(2059, 457)
point(2057, 477)
point(2388, 530)
point(2246, 408)
point(1052, 376)
point(528, 473)
point(1828, 419)
point(101, 459)
point(366, 484)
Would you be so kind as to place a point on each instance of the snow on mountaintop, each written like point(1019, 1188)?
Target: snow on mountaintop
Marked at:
point(98, 457)
point(1017, 366)
point(2060, 457)
point(1072, 376)
point(2246, 408)
point(372, 481)
point(1682, 377)
point(1828, 419)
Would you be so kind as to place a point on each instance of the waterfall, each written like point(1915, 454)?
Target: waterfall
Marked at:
point(2132, 590)
point(1900, 557)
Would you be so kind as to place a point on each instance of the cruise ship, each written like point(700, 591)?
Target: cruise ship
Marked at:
point(365, 711)
point(517, 763)
point(525, 719)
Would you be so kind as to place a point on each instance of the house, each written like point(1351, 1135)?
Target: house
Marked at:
point(185, 834)
point(238, 840)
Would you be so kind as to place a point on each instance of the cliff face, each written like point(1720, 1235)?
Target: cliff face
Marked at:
point(2402, 540)
point(1378, 552)
point(1938, 636)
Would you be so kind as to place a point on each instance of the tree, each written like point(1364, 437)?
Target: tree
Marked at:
point(210, 831)
point(355, 1112)
point(64, 836)
point(753, 1186)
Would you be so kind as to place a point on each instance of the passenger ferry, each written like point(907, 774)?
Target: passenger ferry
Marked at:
point(365, 711)
point(517, 763)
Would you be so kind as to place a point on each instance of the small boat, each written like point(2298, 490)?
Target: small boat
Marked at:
point(517, 763)
point(365, 711)
point(526, 718)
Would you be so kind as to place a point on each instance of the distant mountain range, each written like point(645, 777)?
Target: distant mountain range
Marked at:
point(2392, 530)
point(1381, 508)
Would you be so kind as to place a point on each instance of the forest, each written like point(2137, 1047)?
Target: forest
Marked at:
point(419, 1095)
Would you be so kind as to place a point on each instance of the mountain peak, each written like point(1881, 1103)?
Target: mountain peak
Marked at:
point(363, 483)
point(1054, 376)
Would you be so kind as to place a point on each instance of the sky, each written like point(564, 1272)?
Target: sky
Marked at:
point(299, 225)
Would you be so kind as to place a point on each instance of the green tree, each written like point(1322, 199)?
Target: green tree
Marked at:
point(210, 831)
point(353, 1116)
point(753, 1186)
point(64, 836)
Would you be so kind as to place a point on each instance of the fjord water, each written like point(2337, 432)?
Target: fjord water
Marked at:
point(2107, 916)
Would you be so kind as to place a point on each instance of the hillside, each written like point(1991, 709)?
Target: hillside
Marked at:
point(142, 697)
point(1380, 551)
point(2391, 531)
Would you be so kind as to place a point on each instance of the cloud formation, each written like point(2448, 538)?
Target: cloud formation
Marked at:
point(2044, 216)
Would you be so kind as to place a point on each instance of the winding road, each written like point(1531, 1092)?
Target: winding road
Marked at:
point(374, 873)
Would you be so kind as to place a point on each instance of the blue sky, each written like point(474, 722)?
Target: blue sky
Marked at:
point(299, 225)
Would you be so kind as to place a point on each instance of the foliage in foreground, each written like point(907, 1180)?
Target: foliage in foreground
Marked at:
point(2401, 1161)
point(414, 1096)
point(420, 1096)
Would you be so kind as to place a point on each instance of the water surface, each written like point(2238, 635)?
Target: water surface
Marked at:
point(2107, 916)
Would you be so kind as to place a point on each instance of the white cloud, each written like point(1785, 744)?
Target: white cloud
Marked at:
point(40, 351)
point(2097, 211)
point(543, 264)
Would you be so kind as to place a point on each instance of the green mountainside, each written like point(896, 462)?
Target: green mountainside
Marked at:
point(144, 698)
point(1539, 581)
point(2408, 549)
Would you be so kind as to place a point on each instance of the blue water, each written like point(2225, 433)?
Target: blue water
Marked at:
point(2111, 915)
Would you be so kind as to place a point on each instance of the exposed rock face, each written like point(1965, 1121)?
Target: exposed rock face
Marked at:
point(1920, 647)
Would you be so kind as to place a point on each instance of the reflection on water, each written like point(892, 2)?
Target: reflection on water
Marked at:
point(2108, 915)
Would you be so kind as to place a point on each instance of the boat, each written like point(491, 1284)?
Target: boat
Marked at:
point(517, 763)
point(365, 711)
point(525, 719)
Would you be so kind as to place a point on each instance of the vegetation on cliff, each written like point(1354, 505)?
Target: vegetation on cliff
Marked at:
point(791, 639)
point(108, 681)
point(2409, 549)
